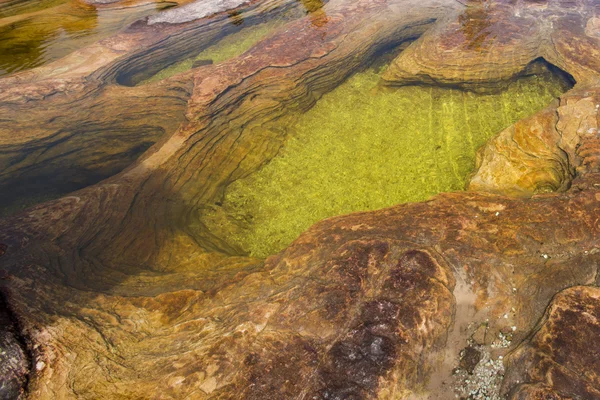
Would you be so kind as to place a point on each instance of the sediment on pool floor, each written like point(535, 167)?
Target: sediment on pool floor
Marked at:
point(364, 147)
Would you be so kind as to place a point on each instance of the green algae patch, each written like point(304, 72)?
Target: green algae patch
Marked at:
point(229, 47)
point(364, 148)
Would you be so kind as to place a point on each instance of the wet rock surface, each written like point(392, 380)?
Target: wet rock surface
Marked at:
point(14, 357)
point(123, 294)
point(560, 360)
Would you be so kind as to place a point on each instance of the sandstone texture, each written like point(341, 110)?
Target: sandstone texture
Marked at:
point(560, 360)
point(117, 291)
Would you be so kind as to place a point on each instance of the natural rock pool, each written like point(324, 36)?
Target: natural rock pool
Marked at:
point(365, 147)
point(282, 199)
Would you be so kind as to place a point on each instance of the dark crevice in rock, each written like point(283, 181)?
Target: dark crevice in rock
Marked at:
point(539, 66)
point(72, 169)
point(85, 140)
point(389, 51)
point(567, 77)
point(15, 359)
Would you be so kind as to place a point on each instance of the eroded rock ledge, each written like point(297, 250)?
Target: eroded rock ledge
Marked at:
point(122, 295)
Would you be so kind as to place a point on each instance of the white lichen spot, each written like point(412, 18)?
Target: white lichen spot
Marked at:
point(502, 342)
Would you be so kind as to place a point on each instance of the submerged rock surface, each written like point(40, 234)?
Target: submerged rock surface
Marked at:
point(119, 291)
point(361, 148)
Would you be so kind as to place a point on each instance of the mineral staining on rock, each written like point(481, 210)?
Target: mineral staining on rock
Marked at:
point(363, 147)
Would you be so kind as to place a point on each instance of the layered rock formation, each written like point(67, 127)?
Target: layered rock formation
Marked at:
point(559, 360)
point(116, 291)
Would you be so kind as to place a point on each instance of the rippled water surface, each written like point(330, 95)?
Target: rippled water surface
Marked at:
point(364, 147)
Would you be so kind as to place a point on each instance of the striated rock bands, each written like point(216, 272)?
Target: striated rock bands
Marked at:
point(560, 360)
point(344, 155)
point(120, 291)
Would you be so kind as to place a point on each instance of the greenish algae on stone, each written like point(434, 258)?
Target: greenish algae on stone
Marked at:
point(229, 47)
point(363, 148)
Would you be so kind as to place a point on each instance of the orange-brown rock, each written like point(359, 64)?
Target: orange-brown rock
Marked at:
point(489, 44)
point(560, 360)
point(116, 291)
point(524, 159)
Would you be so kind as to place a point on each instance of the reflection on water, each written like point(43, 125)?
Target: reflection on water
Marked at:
point(35, 33)
point(8, 8)
point(364, 148)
